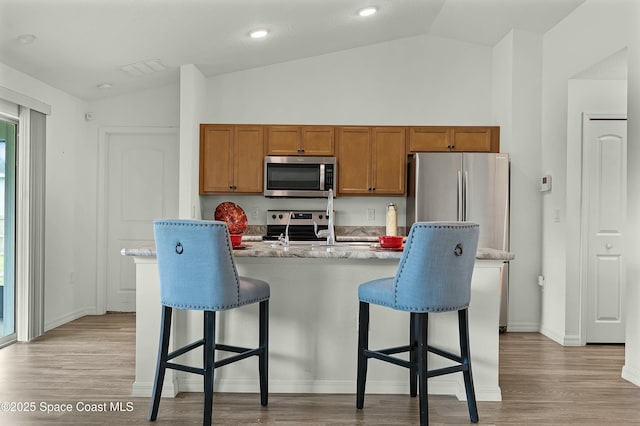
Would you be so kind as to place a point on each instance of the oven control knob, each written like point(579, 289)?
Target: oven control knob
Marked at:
point(280, 216)
point(320, 216)
point(273, 216)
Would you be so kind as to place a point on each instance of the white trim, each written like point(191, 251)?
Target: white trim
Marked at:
point(523, 327)
point(559, 339)
point(581, 338)
point(631, 375)
point(437, 386)
point(104, 134)
point(572, 340)
point(24, 100)
point(69, 317)
point(145, 389)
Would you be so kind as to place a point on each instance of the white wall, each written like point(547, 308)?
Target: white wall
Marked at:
point(192, 110)
point(516, 86)
point(591, 33)
point(64, 299)
point(418, 80)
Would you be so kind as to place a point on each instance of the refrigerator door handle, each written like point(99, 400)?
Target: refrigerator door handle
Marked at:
point(460, 197)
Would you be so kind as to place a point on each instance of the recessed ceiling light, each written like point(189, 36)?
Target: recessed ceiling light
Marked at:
point(104, 86)
point(26, 38)
point(368, 11)
point(258, 33)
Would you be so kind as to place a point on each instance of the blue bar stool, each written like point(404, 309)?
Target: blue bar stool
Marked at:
point(197, 272)
point(434, 275)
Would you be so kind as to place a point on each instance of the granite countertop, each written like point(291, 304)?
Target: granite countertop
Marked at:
point(343, 250)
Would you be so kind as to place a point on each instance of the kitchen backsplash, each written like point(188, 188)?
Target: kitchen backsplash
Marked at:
point(365, 212)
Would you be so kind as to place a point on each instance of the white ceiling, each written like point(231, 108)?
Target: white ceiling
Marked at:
point(82, 43)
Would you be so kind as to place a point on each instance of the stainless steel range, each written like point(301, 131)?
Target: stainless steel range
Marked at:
point(301, 224)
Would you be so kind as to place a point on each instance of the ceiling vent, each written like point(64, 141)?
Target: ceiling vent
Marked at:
point(143, 68)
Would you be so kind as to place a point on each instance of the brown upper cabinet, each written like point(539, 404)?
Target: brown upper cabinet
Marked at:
point(371, 160)
point(231, 159)
point(300, 140)
point(456, 139)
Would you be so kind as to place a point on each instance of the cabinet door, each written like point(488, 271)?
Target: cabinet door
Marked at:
point(284, 140)
point(248, 159)
point(354, 160)
point(389, 160)
point(429, 139)
point(216, 150)
point(475, 139)
point(317, 140)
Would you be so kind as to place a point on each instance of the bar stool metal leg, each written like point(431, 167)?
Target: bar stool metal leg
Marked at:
point(209, 363)
point(465, 354)
point(363, 344)
point(413, 355)
point(263, 361)
point(162, 361)
point(423, 371)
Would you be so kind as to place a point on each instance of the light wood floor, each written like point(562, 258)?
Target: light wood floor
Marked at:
point(91, 361)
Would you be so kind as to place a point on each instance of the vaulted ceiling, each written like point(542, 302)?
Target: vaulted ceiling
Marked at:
point(81, 44)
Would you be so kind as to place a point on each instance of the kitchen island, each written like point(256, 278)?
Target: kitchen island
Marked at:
point(313, 323)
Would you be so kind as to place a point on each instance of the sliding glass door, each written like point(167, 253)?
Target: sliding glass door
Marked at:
point(8, 133)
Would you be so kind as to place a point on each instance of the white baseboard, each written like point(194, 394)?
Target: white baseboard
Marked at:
point(437, 386)
point(631, 375)
point(552, 335)
point(572, 340)
point(523, 327)
point(91, 310)
point(145, 389)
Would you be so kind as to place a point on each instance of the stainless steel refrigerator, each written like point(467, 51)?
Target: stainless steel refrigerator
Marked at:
point(470, 187)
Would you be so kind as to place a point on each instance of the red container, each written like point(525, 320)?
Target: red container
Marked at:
point(389, 241)
point(236, 240)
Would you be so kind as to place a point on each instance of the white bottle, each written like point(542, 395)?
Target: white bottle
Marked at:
point(392, 219)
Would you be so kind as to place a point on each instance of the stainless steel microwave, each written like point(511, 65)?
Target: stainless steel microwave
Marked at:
point(298, 176)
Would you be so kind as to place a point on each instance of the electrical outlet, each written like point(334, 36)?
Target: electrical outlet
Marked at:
point(255, 213)
point(371, 214)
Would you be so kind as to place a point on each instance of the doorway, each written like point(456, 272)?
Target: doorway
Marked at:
point(8, 136)
point(604, 211)
point(138, 183)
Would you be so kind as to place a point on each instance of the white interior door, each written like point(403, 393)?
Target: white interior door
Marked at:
point(605, 177)
point(142, 185)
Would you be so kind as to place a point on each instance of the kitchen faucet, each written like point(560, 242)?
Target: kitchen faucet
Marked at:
point(330, 231)
point(285, 240)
